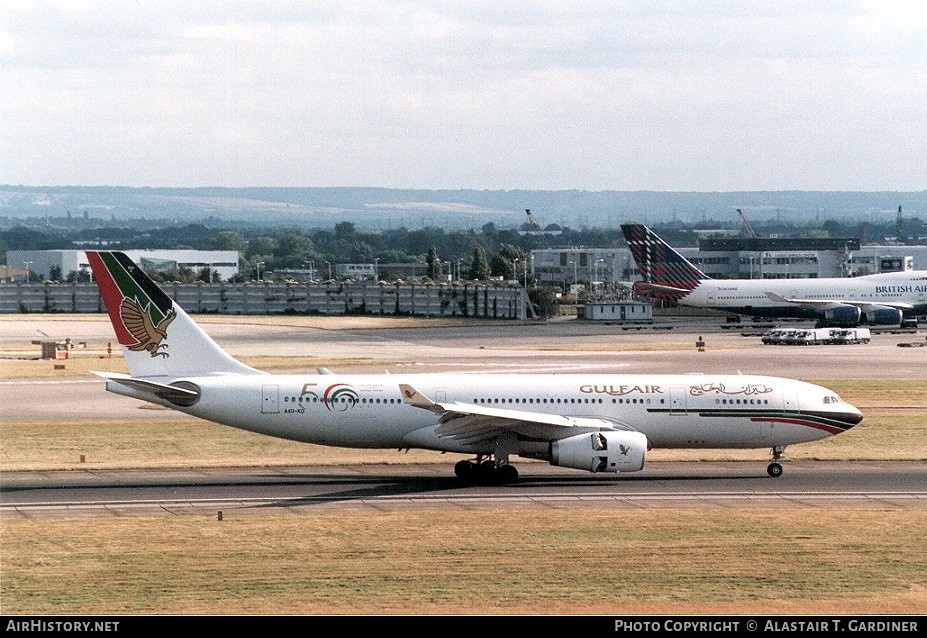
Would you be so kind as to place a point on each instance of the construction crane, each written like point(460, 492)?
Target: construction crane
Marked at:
point(898, 227)
point(534, 223)
point(747, 225)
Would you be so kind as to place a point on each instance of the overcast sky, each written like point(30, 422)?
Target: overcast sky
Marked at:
point(711, 95)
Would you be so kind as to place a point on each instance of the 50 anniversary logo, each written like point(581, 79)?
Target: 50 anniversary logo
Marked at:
point(338, 396)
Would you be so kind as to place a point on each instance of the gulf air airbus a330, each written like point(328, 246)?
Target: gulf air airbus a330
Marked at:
point(592, 422)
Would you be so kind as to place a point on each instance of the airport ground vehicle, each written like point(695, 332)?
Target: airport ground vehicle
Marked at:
point(816, 336)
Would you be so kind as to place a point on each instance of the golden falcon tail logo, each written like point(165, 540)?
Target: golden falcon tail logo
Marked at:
point(139, 324)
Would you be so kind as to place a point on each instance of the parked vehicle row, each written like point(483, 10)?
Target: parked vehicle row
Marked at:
point(815, 336)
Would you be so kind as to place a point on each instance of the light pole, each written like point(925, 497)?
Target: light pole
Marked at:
point(27, 264)
point(329, 264)
point(376, 269)
point(259, 264)
point(614, 278)
point(599, 273)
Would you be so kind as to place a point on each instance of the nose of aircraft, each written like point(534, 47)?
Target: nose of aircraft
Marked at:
point(851, 416)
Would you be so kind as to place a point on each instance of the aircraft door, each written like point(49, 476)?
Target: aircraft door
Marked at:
point(270, 399)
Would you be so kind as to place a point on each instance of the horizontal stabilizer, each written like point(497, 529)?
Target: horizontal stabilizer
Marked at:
point(642, 287)
point(170, 393)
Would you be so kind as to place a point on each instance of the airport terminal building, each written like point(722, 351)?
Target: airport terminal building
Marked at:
point(733, 258)
point(58, 264)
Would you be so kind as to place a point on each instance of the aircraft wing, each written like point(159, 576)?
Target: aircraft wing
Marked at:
point(472, 422)
point(827, 304)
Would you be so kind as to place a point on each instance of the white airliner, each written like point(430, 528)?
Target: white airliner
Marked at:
point(881, 299)
point(593, 422)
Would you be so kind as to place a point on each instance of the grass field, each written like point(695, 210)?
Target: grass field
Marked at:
point(839, 560)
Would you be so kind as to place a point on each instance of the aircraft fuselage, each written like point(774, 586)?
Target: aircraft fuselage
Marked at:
point(368, 411)
point(749, 296)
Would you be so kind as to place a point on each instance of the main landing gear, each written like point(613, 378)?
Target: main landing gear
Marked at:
point(485, 470)
point(774, 469)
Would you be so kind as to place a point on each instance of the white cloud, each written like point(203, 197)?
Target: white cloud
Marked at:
point(589, 95)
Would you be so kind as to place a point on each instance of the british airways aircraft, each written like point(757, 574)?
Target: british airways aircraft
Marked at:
point(591, 422)
point(882, 299)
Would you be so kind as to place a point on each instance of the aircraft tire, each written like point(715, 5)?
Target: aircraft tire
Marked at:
point(774, 470)
point(465, 469)
point(487, 470)
point(508, 474)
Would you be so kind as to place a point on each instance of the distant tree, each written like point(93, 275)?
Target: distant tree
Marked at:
point(433, 264)
point(508, 262)
point(544, 300)
point(294, 250)
point(479, 267)
point(22, 238)
point(345, 230)
point(263, 247)
point(230, 240)
point(209, 275)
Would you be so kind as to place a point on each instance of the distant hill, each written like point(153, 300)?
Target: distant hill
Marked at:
point(380, 208)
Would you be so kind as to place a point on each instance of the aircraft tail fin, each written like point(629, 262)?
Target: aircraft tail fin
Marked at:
point(669, 275)
point(158, 338)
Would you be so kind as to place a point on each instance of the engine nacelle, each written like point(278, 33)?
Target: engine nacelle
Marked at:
point(884, 317)
point(842, 316)
point(601, 452)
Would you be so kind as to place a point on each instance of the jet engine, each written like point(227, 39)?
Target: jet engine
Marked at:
point(884, 317)
point(601, 451)
point(842, 316)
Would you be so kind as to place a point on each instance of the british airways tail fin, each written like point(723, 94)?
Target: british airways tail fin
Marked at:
point(158, 338)
point(666, 273)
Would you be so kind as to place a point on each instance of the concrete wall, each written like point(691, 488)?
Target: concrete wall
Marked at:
point(434, 300)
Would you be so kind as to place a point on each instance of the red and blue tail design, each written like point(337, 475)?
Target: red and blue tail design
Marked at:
point(158, 338)
point(667, 274)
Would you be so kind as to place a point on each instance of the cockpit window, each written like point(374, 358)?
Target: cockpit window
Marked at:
point(831, 398)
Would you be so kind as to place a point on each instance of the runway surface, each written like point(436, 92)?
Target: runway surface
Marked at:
point(242, 491)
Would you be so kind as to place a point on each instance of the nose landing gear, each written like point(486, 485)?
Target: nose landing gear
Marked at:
point(774, 469)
